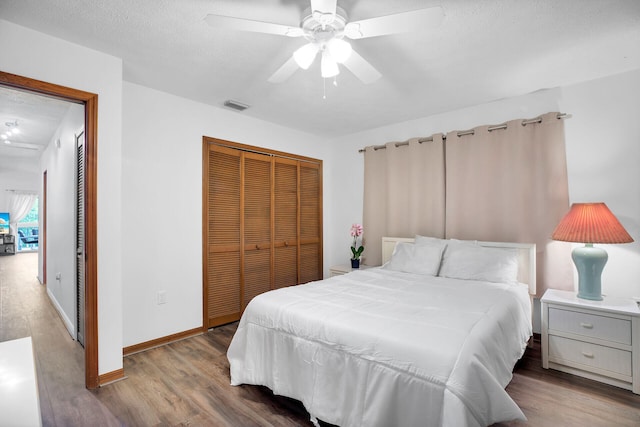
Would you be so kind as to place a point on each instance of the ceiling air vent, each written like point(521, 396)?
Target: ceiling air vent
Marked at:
point(235, 105)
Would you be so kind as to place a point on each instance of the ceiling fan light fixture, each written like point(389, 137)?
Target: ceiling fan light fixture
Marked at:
point(339, 49)
point(305, 55)
point(329, 66)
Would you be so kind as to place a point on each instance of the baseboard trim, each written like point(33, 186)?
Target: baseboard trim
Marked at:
point(137, 348)
point(68, 324)
point(110, 377)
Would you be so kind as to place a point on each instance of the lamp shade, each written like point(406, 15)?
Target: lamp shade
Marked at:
point(328, 66)
point(590, 223)
point(305, 55)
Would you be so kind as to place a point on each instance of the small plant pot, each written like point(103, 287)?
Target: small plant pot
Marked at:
point(355, 263)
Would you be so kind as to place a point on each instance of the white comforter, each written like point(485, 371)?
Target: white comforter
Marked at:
point(382, 348)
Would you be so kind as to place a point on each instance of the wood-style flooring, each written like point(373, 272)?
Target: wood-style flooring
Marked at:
point(187, 383)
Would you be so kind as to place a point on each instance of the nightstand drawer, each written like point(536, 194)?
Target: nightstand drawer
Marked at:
point(565, 350)
point(589, 325)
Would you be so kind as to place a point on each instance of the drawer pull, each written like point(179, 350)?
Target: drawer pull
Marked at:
point(586, 354)
point(586, 325)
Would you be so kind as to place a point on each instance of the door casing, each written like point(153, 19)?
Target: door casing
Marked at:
point(90, 102)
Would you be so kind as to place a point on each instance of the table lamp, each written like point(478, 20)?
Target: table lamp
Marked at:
point(590, 223)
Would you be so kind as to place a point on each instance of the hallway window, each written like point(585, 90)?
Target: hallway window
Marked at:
point(27, 238)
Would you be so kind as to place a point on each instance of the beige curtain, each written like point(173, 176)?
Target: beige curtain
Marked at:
point(510, 184)
point(404, 192)
point(503, 183)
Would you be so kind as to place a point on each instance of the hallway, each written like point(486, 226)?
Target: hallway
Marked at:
point(25, 310)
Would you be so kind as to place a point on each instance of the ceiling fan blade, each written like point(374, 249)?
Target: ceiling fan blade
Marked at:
point(361, 68)
point(403, 22)
point(324, 6)
point(284, 72)
point(240, 24)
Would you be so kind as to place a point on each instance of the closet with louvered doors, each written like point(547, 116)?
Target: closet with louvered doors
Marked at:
point(262, 220)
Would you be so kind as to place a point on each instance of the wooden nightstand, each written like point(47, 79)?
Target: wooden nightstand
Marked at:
point(599, 340)
point(337, 270)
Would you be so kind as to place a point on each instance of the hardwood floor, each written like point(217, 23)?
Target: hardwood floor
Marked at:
point(187, 382)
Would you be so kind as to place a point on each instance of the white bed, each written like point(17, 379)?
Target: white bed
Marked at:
point(379, 347)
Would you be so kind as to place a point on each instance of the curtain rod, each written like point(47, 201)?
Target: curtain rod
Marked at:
point(22, 191)
point(560, 116)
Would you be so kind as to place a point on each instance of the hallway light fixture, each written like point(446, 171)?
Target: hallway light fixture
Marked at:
point(12, 129)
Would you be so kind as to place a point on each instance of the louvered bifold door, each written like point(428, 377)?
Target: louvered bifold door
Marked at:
point(80, 252)
point(223, 236)
point(257, 225)
point(310, 217)
point(262, 225)
point(285, 241)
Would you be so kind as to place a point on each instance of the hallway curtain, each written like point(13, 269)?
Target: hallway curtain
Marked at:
point(509, 183)
point(20, 203)
point(404, 192)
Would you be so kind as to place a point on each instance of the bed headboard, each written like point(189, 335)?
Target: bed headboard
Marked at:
point(526, 257)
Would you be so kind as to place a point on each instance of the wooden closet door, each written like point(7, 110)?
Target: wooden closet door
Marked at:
point(310, 217)
point(222, 213)
point(262, 215)
point(285, 243)
point(257, 224)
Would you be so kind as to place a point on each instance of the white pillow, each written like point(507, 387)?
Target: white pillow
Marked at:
point(418, 259)
point(462, 260)
point(422, 240)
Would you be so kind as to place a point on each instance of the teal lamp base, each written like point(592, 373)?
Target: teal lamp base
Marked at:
point(590, 262)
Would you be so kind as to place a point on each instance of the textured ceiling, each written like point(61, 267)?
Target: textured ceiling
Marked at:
point(37, 116)
point(482, 51)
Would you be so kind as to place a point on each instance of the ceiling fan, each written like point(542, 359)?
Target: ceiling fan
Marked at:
point(325, 26)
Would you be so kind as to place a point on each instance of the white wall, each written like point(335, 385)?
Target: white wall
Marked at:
point(603, 155)
point(603, 150)
point(16, 174)
point(35, 55)
point(61, 204)
point(162, 202)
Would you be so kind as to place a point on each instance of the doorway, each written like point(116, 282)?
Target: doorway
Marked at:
point(90, 102)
